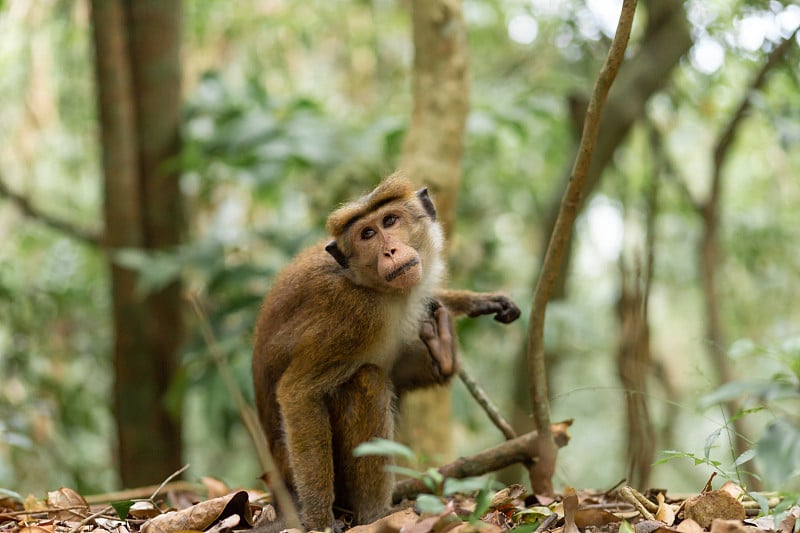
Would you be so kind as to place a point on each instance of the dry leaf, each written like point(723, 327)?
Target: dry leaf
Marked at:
point(594, 517)
point(225, 524)
point(75, 507)
point(31, 503)
point(393, 522)
point(512, 496)
point(423, 526)
point(707, 507)
point(665, 512)
point(733, 489)
point(143, 511)
point(38, 529)
point(648, 526)
point(789, 522)
point(689, 526)
point(479, 527)
point(731, 526)
point(201, 516)
point(570, 502)
point(215, 487)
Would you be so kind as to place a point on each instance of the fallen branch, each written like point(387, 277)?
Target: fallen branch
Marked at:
point(519, 450)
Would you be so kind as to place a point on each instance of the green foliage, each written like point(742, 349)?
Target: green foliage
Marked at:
point(778, 448)
point(384, 447)
point(122, 508)
point(439, 486)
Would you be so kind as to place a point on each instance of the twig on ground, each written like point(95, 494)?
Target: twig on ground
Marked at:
point(169, 478)
point(630, 495)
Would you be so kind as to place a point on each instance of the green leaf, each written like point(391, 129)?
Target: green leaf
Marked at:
point(433, 480)
point(10, 494)
point(410, 472)
point(670, 455)
point(524, 528)
point(710, 440)
point(384, 447)
point(778, 452)
point(763, 502)
point(626, 527)
point(122, 508)
point(746, 456)
point(482, 503)
point(464, 486)
point(428, 503)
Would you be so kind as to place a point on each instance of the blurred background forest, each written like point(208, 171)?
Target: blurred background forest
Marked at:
point(684, 265)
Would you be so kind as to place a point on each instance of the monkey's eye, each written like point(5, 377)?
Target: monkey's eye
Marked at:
point(389, 220)
point(367, 233)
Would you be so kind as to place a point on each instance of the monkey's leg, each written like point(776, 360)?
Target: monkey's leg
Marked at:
point(308, 441)
point(360, 411)
point(479, 303)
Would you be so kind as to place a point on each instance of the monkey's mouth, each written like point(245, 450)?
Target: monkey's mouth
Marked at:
point(402, 269)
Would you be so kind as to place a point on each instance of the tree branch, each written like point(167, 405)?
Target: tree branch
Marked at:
point(542, 472)
point(480, 396)
point(725, 140)
point(63, 226)
point(519, 450)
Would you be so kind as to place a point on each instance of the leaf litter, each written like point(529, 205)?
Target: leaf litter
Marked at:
point(220, 510)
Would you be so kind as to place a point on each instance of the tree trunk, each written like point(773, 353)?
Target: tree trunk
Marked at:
point(634, 365)
point(137, 69)
point(665, 42)
point(432, 154)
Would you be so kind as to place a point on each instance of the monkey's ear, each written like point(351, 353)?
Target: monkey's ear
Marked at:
point(337, 254)
point(427, 203)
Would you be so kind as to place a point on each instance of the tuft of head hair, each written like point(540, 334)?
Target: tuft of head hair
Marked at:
point(395, 187)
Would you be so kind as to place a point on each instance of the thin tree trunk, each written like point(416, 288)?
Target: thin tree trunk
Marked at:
point(137, 138)
point(542, 472)
point(633, 366)
point(155, 29)
point(432, 153)
point(665, 41)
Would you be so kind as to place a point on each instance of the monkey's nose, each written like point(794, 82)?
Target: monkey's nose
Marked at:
point(390, 252)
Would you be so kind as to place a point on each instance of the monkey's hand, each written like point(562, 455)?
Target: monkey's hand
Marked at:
point(436, 332)
point(501, 306)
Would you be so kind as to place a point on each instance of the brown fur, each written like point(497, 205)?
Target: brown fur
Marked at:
point(342, 332)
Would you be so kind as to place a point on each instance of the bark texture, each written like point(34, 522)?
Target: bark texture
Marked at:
point(432, 153)
point(522, 449)
point(138, 80)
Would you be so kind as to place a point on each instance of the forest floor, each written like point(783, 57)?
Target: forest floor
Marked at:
point(212, 507)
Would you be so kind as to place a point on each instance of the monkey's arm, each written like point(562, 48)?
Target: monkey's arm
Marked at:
point(475, 304)
point(430, 360)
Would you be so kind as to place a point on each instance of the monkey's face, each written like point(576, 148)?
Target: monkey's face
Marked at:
point(383, 245)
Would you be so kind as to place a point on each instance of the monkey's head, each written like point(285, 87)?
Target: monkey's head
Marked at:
point(389, 239)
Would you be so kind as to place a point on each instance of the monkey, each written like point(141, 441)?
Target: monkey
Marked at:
point(348, 326)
